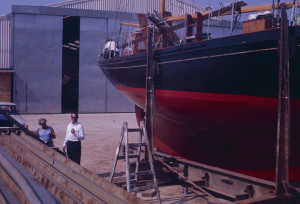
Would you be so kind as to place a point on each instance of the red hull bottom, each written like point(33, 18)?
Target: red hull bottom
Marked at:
point(233, 132)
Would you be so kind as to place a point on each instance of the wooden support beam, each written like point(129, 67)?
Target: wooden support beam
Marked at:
point(189, 27)
point(283, 124)
point(162, 7)
point(130, 24)
point(143, 21)
point(150, 88)
point(190, 23)
point(199, 27)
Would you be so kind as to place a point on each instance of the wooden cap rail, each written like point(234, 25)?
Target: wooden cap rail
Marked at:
point(64, 179)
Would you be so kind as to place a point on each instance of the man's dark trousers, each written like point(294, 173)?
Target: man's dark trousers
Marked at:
point(74, 150)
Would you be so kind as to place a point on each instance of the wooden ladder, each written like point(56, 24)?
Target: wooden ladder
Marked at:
point(142, 131)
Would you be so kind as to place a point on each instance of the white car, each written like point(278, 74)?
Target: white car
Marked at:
point(11, 109)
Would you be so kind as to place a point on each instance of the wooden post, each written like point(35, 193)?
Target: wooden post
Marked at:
point(189, 28)
point(162, 8)
point(283, 125)
point(142, 18)
point(199, 27)
point(150, 88)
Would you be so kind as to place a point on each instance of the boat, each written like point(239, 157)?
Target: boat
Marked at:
point(216, 100)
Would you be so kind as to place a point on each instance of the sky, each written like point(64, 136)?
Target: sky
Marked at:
point(5, 5)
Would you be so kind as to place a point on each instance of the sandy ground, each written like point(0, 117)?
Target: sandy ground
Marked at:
point(102, 133)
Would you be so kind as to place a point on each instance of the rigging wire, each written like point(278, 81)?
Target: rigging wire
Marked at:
point(208, 20)
point(209, 16)
point(293, 17)
point(278, 2)
point(273, 12)
point(221, 6)
point(117, 15)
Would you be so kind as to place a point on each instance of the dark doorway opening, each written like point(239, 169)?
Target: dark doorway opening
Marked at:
point(70, 64)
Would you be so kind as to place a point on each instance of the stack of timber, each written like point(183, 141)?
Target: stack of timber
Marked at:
point(31, 172)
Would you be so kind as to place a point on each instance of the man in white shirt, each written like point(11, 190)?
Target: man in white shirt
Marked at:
point(74, 135)
point(110, 49)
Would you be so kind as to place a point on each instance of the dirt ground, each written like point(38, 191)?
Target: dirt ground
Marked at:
point(102, 132)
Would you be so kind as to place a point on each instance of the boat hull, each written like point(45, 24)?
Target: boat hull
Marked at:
point(216, 101)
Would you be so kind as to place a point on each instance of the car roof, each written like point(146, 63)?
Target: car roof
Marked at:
point(7, 103)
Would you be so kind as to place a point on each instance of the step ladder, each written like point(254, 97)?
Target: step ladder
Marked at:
point(142, 131)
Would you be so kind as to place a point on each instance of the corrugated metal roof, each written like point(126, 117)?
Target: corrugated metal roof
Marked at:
point(5, 43)
point(176, 7)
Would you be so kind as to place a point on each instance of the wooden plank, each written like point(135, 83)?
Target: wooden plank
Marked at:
point(14, 188)
point(63, 188)
point(26, 181)
point(6, 195)
point(105, 190)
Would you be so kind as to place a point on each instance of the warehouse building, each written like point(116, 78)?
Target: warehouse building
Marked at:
point(48, 54)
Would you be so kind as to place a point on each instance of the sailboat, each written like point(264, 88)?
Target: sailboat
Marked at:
point(215, 100)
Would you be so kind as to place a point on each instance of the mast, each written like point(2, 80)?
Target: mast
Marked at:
point(162, 8)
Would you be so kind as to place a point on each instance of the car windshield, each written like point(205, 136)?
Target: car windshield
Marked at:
point(8, 109)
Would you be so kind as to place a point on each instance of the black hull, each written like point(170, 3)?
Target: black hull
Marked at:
point(224, 92)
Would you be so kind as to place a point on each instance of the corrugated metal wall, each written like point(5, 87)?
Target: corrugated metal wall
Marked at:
point(5, 43)
point(180, 7)
point(176, 7)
